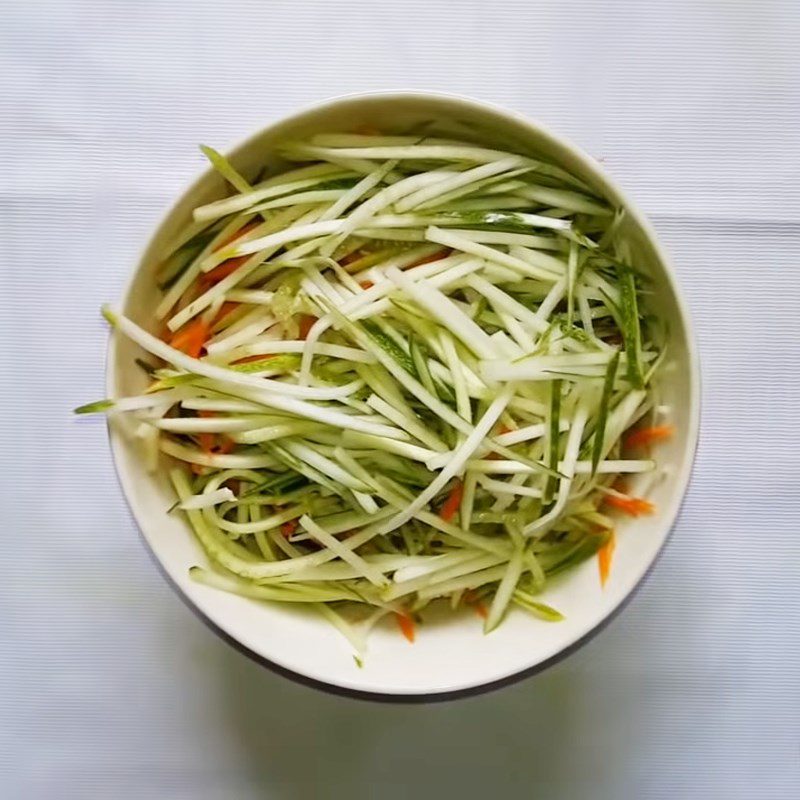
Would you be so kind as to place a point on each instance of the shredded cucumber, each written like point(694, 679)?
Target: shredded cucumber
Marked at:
point(415, 370)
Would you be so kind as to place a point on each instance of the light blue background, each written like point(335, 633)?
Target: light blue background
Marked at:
point(110, 688)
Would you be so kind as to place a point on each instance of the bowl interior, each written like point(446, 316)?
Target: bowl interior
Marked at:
point(451, 653)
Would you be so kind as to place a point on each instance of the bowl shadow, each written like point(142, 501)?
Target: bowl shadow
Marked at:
point(303, 743)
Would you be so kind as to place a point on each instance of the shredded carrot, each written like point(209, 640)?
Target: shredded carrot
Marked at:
point(191, 338)
point(471, 598)
point(214, 276)
point(350, 258)
point(226, 444)
point(604, 555)
point(225, 309)
point(633, 506)
point(306, 323)
point(406, 623)
point(208, 442)
point(428, 259)
point(238, 234)
point(288, 528)
point(197, 469)
point(645, 436)
point(620, 485)
point(450, 506)
point(500, 431)
point(366, 284)
point(213, 443)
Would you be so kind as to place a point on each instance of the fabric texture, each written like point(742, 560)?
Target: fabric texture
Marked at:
point(109, 687)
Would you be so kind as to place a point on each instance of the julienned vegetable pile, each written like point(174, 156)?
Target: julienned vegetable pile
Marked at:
point(404, 369)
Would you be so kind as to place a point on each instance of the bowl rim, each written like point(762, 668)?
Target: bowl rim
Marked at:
point(665, 523)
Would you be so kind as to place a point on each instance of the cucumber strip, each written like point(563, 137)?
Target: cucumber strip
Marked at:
point(434, 152)
point(441, 308)
point(463, 179)
point(465, 245)
point(243, 201)
point(631, 330)
point(602, 414)
point(563, 198)
point(411, 378)
point(502, 596)
point(225, 168)
point(372, 574)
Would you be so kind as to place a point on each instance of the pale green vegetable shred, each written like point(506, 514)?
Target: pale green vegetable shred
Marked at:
point(414, 382)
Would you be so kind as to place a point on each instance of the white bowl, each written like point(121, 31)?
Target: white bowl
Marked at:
point(451, 655)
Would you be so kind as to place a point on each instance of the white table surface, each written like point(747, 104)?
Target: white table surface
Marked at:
point(110, 688)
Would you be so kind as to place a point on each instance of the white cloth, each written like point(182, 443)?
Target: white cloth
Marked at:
point(109, 687)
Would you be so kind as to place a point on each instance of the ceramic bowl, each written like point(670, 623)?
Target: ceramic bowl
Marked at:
point(451, 655)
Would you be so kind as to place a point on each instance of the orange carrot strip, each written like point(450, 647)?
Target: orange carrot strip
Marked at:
point(645, 436)
point(633, 506)
point(225, 445)
point(225, 309)
point(208, 442)
point(428, 259)
point(480, 609)
point(212, 443)
point(450, 506)
point(470, 597)
point(351, 257)
point(221, 271)
point(604, 555)
point(306, 322)
point(288, 528)
point(620, 485)
point(366, 284)
point(224, 269)
point(191, 338)
point(500, 431)
point(238, 234)
point(406, 624)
